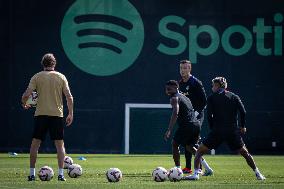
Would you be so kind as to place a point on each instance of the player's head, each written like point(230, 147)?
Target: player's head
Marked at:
point(218, 83)
point(48, 61)
point(184, 68)
point(171, 87)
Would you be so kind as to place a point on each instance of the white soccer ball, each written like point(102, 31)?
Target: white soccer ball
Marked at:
point(32, 100)
point(113, 175)
point(175, 174)
point(74, 171)
point(160, 174)
point(45, 173)
point(67, 162)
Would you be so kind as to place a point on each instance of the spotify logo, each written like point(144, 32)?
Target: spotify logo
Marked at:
point(102, 37)
point(254, 36)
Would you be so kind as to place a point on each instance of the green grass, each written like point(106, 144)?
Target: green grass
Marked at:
point(230, 172)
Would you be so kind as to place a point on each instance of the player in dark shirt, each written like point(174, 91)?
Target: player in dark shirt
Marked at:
point(188, 131)
point(192, 88)
point(222, 108)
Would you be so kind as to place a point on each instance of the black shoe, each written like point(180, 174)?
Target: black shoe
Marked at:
point(31, 178)
point(61, 178)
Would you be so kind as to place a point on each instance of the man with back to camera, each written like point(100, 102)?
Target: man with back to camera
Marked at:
point(222, 110)
point(50, 85)
point(192, 88)
point(188, 131)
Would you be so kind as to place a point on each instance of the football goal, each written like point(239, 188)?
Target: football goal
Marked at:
point(144, 128)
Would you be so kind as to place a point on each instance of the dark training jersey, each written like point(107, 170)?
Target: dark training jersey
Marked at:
point(194, 90)
point(186, 116)
point(222, 110)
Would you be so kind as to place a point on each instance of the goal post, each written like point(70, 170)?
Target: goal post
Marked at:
point(128, 107)
point(144, 126)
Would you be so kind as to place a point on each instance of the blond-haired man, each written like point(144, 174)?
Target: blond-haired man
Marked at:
point(48, 118)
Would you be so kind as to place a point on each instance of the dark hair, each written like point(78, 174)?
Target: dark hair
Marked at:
point(184, 62)
point(172, 83)
point(48, 60)
point(221, 81)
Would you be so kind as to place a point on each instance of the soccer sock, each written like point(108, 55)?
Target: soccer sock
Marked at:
point(256, 171)
point(60, 171)
point(205, 164)
point(188, 157)
point(32, 171)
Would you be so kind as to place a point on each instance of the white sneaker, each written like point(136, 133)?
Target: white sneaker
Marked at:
point(259, 176)
point(208, 172)
point(192, 177)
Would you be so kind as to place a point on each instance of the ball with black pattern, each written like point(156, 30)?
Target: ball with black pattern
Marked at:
point(160, 174)
point(175, 174)
point(74, 171)
point(67, 162)
point(113, 175)
point(45, 173)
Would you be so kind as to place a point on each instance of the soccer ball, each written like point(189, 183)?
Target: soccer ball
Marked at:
point(45, 173)
point(32, 100)
point(160, 174)
point(74, 171)
point(114, 175)
point(175, 174)
point(67, 162)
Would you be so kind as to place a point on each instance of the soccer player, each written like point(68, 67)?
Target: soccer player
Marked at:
point(192, 88)
point(188, 130)
point(222, 108)
point(50, 85)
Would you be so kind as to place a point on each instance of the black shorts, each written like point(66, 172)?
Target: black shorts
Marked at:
point(232, 138)
point(187, 135)
point(52, 124)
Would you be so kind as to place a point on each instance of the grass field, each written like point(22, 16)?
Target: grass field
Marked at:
point(230, 172)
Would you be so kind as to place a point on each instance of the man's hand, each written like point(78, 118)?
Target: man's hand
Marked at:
point(26, 106)
point(196, 114)
point(69, 119)
point(243, 130)
point(25, 97)
point(167, 135)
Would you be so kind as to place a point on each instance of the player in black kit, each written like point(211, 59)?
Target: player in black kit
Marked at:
point(192, 88)
point(188, 130)
point(222, 108)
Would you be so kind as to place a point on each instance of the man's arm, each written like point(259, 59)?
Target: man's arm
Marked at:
point(202, 97)
point(70, 104)
point(209, 113)
point(242, 111)
point(25, 97)
point(175, 107)
point(28, 92)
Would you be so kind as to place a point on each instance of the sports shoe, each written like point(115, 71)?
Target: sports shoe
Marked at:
point(192, 177)
point(31, 178)
point(259, 176)
point(186, 170)
point(208, 172)
point(61, 178)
